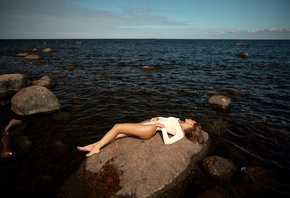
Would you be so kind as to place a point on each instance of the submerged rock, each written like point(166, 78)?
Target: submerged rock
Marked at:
point(34, 99)
point(240, 44)
point(147, 68)
point(139, 168)
point(219, 168)
point(45, 81)
point(244, 55)
point(11, 83)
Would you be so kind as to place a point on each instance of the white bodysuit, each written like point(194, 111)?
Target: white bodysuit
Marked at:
point(172, 126)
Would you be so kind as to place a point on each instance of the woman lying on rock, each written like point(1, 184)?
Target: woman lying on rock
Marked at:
point(145, 130)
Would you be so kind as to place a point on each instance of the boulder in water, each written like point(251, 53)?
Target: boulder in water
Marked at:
point(34, 99)
point(220, 101)
point(139, 168)
point(11, 83)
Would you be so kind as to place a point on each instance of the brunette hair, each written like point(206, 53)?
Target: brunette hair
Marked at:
point(194, 134)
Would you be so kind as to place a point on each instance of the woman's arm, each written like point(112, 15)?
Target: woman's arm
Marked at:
point(168, 140)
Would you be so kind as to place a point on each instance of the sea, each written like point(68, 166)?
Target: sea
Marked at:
point(107, 85)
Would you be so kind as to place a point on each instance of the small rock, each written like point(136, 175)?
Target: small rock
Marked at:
point(47, 50)
point(34, 50)
point(11, 83)
point(79, 42)
point(21, 55)
point(70, 67)
point(147, 68)
point(220, 101)
point(244, 55)
point(33, 57)
point(34, 99)
point(240, 44)
point(219, 168)
point(15, 127)
point(8, 148)
point(45, 81)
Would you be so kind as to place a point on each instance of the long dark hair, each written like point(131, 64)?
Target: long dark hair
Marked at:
point(194, 134)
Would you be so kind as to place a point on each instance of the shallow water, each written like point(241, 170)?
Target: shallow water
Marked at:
point(108, 86)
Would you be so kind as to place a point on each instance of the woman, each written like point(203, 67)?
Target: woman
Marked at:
point(145, 130)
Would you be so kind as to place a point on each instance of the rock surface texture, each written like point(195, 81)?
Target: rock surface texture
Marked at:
point(34, 99)
point(139, 168)
point(11, 83)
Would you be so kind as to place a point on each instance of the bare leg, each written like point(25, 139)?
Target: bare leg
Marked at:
point(137, 130)
point(91, 146)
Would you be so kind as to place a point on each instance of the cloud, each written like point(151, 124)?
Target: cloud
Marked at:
point(269, 33)
point(55, 18)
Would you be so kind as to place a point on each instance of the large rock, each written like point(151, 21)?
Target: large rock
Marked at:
point(11, 83)
point(220, 101)
point(139, 168)
point(34, 99)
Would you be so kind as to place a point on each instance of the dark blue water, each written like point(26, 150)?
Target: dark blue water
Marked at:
point(108, 86)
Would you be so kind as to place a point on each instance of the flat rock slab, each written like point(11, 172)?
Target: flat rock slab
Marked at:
point(135, 167)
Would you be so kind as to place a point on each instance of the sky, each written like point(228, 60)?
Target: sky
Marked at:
point(161, 19)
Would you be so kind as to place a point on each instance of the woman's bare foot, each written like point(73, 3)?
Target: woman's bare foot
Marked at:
point(95, 150)
point(87, 148)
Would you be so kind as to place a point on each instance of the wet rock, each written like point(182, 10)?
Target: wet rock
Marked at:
point(79, 42)
point(244, 55)
point(34, 99)
point(147, 68)
point(45, 81)
point(47, 50)
point(33, 57)
point(135, 167)
point(34, 50)
point(11, 83)
point(8, 148)
point(220, 101)
point(240, 44)
point(21, 55)
point(15, 127)
point(219, 168)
